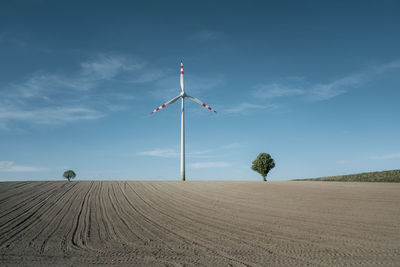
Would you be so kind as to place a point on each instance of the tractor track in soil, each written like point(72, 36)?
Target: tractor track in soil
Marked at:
point(199, 223)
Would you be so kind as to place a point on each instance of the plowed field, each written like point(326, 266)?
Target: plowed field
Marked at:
point(199, 223)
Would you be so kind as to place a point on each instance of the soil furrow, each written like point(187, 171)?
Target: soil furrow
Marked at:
point(74, 233)
point(199, 223)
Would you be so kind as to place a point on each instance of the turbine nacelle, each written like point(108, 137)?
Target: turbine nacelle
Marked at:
point(183, 95)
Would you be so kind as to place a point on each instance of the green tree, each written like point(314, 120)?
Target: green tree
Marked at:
point(263, 164)
point(70, 174)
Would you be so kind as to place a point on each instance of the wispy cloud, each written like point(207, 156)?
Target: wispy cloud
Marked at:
point(90, 74)
point(150, 76)
point(164, 153)
point(386, 67)
point(106, 67)
point(212, 164)
point(55, 98)
point(274, 90)
point(337, 87)
point(245, 107)
point(51, 115)
point(9, 166)
point(22, 40)
point(342, 85)
point(7, 38)
point(297, 86)
point(387, 156)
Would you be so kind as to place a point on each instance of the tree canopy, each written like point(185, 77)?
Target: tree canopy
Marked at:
point(263, 164)
point(70, 174)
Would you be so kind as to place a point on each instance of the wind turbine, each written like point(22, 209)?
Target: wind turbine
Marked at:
point(182, 95)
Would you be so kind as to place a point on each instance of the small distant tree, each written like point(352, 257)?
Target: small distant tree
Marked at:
point(263, 164)
point(70, 174)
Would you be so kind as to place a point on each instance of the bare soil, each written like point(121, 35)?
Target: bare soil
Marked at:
point(199, 223)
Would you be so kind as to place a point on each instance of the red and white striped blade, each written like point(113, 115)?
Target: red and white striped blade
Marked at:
point(166, 104)
point(182, 85)
point(201, 103)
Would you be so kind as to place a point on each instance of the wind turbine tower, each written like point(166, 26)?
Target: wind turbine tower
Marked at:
point(182, 95)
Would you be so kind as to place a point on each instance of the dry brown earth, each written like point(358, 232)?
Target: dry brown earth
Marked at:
point(200, 223)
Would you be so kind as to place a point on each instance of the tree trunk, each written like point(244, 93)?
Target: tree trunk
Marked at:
point(69, 179)
point(265, 178)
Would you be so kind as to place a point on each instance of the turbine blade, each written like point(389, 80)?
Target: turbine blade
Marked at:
point(199, 102)
point(166, 104)
point(182, 85)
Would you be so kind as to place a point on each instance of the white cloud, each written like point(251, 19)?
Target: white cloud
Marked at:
point(386, 67)
point(149, 76)
point(50, 115)
point(53, 98)
point(212, 164)
point(340, 86)
point(9, 166)
point(275, 90)
point(106, 67)
point(45, 85)
point(8, 38)
point(164, 153)
point(321, 91)
point(387, 156)
point(90, 74)
point(244, 106)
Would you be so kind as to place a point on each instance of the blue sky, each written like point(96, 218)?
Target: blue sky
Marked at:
point(313, 83)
